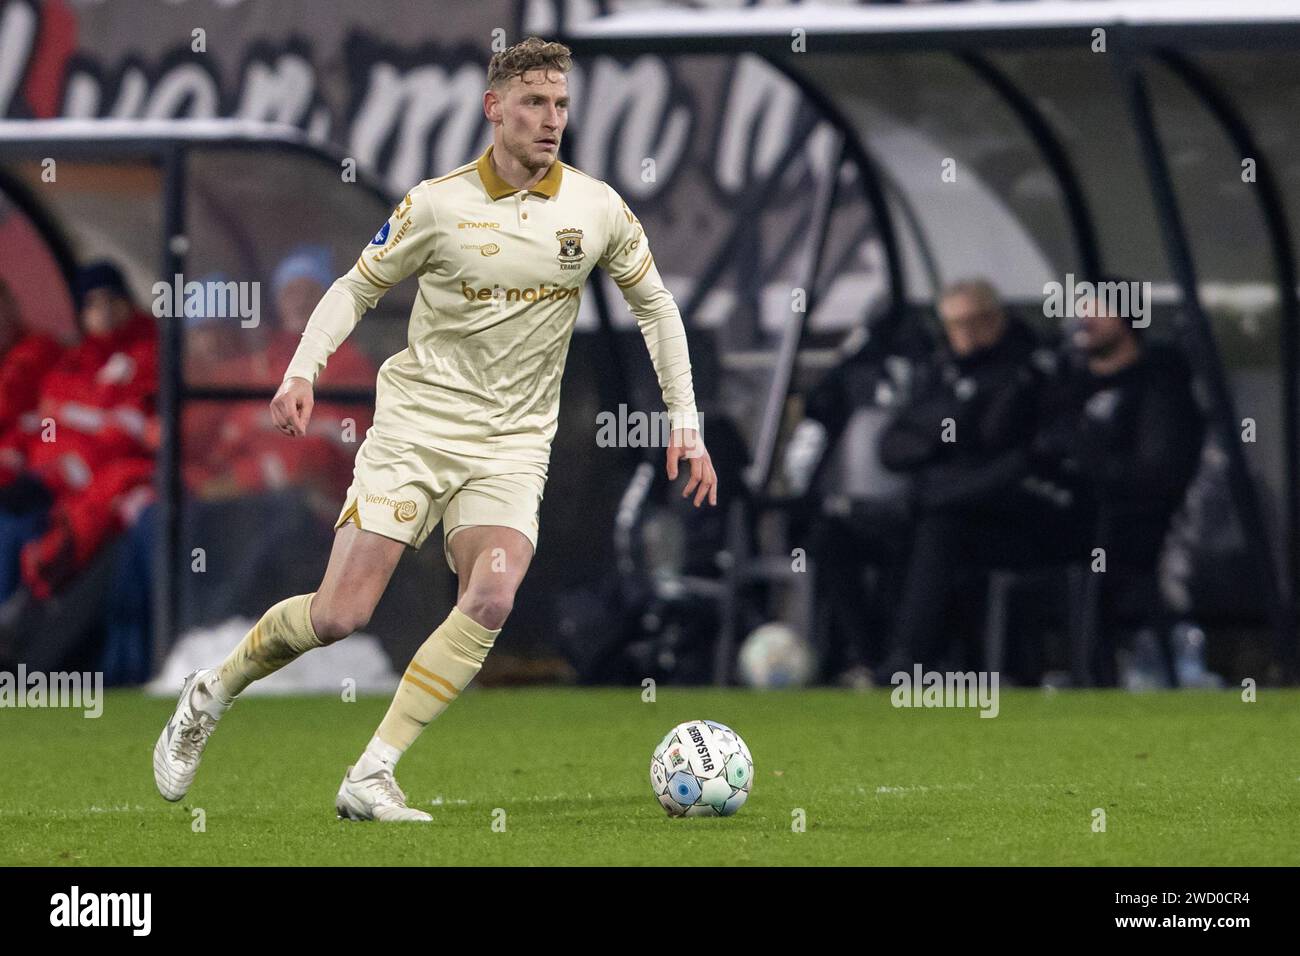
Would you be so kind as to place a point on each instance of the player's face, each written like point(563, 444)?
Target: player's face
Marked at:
point(534, 110)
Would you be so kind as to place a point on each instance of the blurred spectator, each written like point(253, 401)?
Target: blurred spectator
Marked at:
point(91, 462)
point(211, 339)
point(964, 436)
point(25, 357)
point(85, 475)
point(240, 452)
point(1123, 430)
point(297, 284)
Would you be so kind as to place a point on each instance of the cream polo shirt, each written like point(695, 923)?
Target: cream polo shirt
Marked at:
point(500, 273)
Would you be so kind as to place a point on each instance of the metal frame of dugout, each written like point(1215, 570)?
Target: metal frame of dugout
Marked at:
point(1142, 37)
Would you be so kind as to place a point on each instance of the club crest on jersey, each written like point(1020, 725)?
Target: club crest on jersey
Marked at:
point(570, 248)
point(382, 235)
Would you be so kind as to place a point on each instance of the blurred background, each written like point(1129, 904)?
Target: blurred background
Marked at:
point(861, 210)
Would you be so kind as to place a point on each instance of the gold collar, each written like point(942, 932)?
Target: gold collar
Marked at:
point(498, 188)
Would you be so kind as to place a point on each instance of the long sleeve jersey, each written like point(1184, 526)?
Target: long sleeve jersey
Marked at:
point(500, 274)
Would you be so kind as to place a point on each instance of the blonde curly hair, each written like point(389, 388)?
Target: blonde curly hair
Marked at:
point(533, 53)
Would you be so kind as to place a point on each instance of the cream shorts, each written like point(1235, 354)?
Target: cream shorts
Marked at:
point(402, 490)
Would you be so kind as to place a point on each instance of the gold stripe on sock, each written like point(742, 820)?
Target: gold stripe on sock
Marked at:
point(425, 687)
point(447, 661)
point(451, 688)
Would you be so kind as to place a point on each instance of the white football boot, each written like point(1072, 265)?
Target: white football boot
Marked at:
point(180, 746)
point(376, 796)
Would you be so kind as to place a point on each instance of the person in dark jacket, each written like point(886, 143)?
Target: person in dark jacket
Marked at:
point(965, 437)
point(1122, 429)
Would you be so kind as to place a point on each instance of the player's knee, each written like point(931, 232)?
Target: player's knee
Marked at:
point(488, 607)
point(334, 621)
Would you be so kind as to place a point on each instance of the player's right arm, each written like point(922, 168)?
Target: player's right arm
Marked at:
point(403, 245)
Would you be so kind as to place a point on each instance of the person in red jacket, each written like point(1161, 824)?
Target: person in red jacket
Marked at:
point(92, 458)
point(25, 357)
point(240, 451)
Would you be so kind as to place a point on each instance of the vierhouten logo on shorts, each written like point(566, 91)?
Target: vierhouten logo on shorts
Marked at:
point(402, 510)
point(36, 689)
point(75, 909)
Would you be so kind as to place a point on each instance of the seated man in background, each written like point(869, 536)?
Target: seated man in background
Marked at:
point(964, 435)
point(1122, 427)
point(89, 466)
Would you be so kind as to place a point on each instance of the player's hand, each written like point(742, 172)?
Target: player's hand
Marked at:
point(292, 405)
point(687, 443)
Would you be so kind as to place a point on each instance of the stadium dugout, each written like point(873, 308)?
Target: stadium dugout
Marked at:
point(217, 200)
point(1153, 140)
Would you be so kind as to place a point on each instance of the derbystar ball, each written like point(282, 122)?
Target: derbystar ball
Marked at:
point(701, 768)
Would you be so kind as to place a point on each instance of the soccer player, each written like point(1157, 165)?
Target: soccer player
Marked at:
point(464, 416)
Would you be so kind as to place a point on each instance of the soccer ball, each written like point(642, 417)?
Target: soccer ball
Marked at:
point(701, 769)
point(774, 655)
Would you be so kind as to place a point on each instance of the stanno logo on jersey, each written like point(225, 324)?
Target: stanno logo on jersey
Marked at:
point(570, 248)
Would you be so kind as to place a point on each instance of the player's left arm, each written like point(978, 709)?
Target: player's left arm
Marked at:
point(629, 263)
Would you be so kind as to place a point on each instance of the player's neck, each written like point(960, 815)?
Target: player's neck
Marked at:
point(513, 171)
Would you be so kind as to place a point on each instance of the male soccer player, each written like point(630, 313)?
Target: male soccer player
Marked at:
point(464, 416)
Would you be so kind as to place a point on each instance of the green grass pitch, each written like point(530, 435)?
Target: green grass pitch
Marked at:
point(1184, 778)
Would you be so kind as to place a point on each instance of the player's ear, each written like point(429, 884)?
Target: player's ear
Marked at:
point(492, 106)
